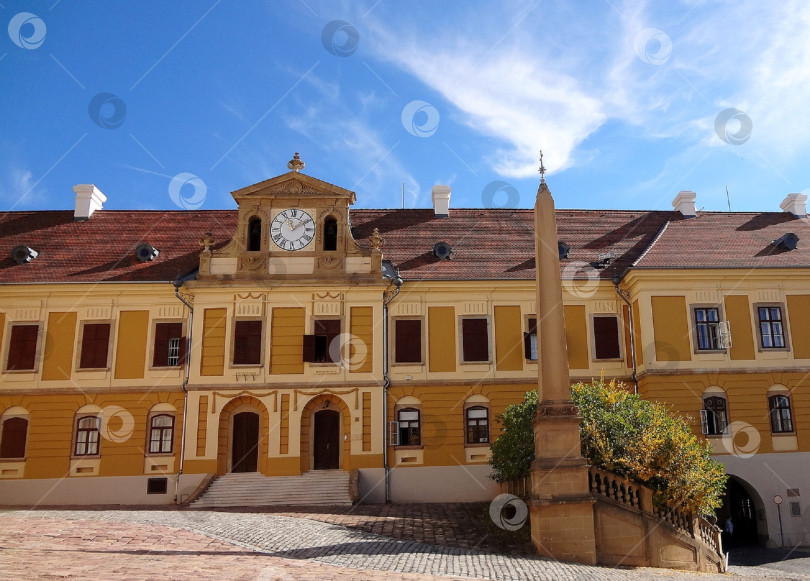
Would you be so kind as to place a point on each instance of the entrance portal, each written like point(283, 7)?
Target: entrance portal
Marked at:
point(245, 444)
point(326, 447)
point(740, 506)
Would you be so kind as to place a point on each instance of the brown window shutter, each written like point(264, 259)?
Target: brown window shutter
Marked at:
point(22, 348)
point(309, 348)
point(527, 338)
point(606, 337)
point(183, 351)
point(408, 341)
point(95, 343)
point(161, 355)
point(12, 440)
point(475, 344)
point(247, 349)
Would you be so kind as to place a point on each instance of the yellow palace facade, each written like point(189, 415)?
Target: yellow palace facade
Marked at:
point(155, 357)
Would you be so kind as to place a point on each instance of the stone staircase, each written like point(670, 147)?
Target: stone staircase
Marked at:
point(316, 487)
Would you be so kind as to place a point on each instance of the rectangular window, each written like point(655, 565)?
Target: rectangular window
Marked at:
point(12, 439)
point(170, 345)
point(161, 434)
point(321, 346)
point(606, 337)
point(713, 416)
point(95, 346)
point(157, 485)
point(474, 340)
point(408, 341)
point(477, 425)
point(22, 347)
point(781, 417)
point(247, 343)
point(87, 436)
point(771, 331)
point(408, 425)
point(795, 508)
point(707, 329)
point(530, 341)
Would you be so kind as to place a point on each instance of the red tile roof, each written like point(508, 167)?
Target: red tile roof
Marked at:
point(103, 247)
point(488, 244)
point(499, 244)
point(730, 240)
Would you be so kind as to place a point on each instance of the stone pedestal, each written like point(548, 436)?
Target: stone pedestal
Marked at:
point(561, 508)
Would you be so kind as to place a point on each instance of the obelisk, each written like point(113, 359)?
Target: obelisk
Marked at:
point(561, 506)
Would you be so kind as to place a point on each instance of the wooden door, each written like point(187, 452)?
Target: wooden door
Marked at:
point(327, 440)
point(245, 447)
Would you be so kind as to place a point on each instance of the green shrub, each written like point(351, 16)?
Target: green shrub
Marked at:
point(626, 435)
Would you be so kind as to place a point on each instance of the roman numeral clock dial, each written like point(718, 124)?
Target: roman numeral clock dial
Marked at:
point(292, 229)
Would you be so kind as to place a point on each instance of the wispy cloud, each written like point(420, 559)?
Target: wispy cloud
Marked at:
point(354, 143)
point(546, 85)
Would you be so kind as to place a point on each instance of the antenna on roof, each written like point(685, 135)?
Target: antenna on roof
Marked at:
point(728, 199)
point(403, 195)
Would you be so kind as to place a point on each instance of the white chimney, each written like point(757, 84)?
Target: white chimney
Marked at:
point(441, 200)
point(88, 199)
point(796, 204)
point(684, 203)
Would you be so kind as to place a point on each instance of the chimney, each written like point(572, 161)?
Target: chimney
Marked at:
point(684, 203)
point(796, 204)
point(88, 199)
point(441, 201)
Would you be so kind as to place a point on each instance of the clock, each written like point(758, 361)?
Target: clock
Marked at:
point(292, 229)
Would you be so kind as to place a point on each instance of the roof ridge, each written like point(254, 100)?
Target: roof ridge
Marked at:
point(651, 244)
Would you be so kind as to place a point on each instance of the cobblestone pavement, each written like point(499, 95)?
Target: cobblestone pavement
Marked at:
point(143, 544)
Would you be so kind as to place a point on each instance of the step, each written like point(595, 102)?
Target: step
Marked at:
point(316, 487)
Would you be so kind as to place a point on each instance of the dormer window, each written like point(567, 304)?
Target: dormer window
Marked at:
point(254, 237)
point(330, 231)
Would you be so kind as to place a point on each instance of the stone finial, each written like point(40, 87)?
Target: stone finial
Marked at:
point(376, 240)
point(295, 163)
point(207, 241)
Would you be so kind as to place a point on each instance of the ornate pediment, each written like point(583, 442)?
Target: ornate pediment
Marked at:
point(294, 184)
point(293, 227)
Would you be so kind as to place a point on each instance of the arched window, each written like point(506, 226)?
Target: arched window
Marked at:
point(161, 434)
point(87, 430)
point(408, 427)
point(254, 238)
point(714, 415)
point(781, 416)
point(330, 234)
point(477, 425)
point(13, 437)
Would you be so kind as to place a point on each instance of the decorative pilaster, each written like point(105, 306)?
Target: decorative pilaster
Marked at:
point(561, 508)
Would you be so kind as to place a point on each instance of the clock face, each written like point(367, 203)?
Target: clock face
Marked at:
point(292, 229)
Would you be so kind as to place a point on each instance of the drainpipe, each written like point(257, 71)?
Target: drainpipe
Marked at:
point(625, 295)
point(388, 296)
point(177, 284)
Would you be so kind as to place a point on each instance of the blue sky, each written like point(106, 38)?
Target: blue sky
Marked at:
point(167, 105)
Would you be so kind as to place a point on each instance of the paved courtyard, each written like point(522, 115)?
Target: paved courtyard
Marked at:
point(178, 544)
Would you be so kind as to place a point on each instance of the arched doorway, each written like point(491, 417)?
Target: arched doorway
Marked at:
point(743, 505)
point(242, 441)
point(245, 442)
point(325, 429)
point(326, 440)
